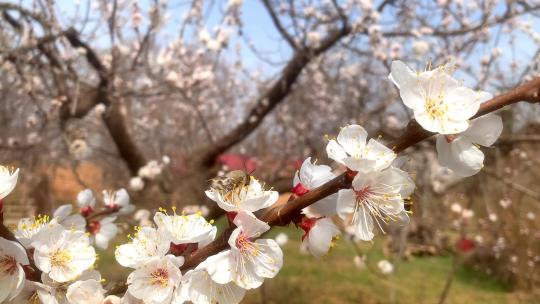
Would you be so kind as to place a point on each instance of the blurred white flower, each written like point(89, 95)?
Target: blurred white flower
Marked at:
point(86, 201)
point(142, 216)
point(103, 231)
point(282, 239)
point(385, 267)
point(194, 209)
point(420, 48)
point(467, 213)
point(63, 216)
point(360, 261)
point(505, 202)
point(531, 216)
point(493, 217)
point(151, 170)
point(118, 200)
point(136, 183)
point(456, 208)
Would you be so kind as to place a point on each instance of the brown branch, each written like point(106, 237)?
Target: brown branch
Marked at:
point(283, 214)
point(271, 98)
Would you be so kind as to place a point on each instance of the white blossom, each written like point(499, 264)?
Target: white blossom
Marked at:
point(136, 183)
point(439, 102)
point(63, 216)
point(309, 177)
point(12, 276)
point(63, 254)
point(103, 231)
point(8, 180)
point(350, 149)
point(249, 261)
point(385, 267)
point(186, 229)
point(86, 292)
point(377, 195)
point(118, 200)
point(319, 235)
point(199, 288)
point(156, 280)
point(460, 152)
point(147, 243)
point(251, 197)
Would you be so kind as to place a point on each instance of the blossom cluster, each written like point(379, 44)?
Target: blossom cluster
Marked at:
point(51, 260)
point(62, 247)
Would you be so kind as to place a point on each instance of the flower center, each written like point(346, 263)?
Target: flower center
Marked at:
point(434, 106)
point(246, 246)
point(60, 258)
point(160, 277)
point(8, 265)
point(363, 194)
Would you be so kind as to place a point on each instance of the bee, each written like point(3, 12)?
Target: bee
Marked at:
point(236, 179)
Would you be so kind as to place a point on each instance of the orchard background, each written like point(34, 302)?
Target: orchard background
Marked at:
point(159, 97)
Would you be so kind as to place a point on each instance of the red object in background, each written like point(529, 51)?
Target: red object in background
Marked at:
point(238, 162)
point(465, 245)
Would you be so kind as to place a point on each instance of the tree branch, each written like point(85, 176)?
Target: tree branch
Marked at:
point(275, 95)
point(283, 214)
